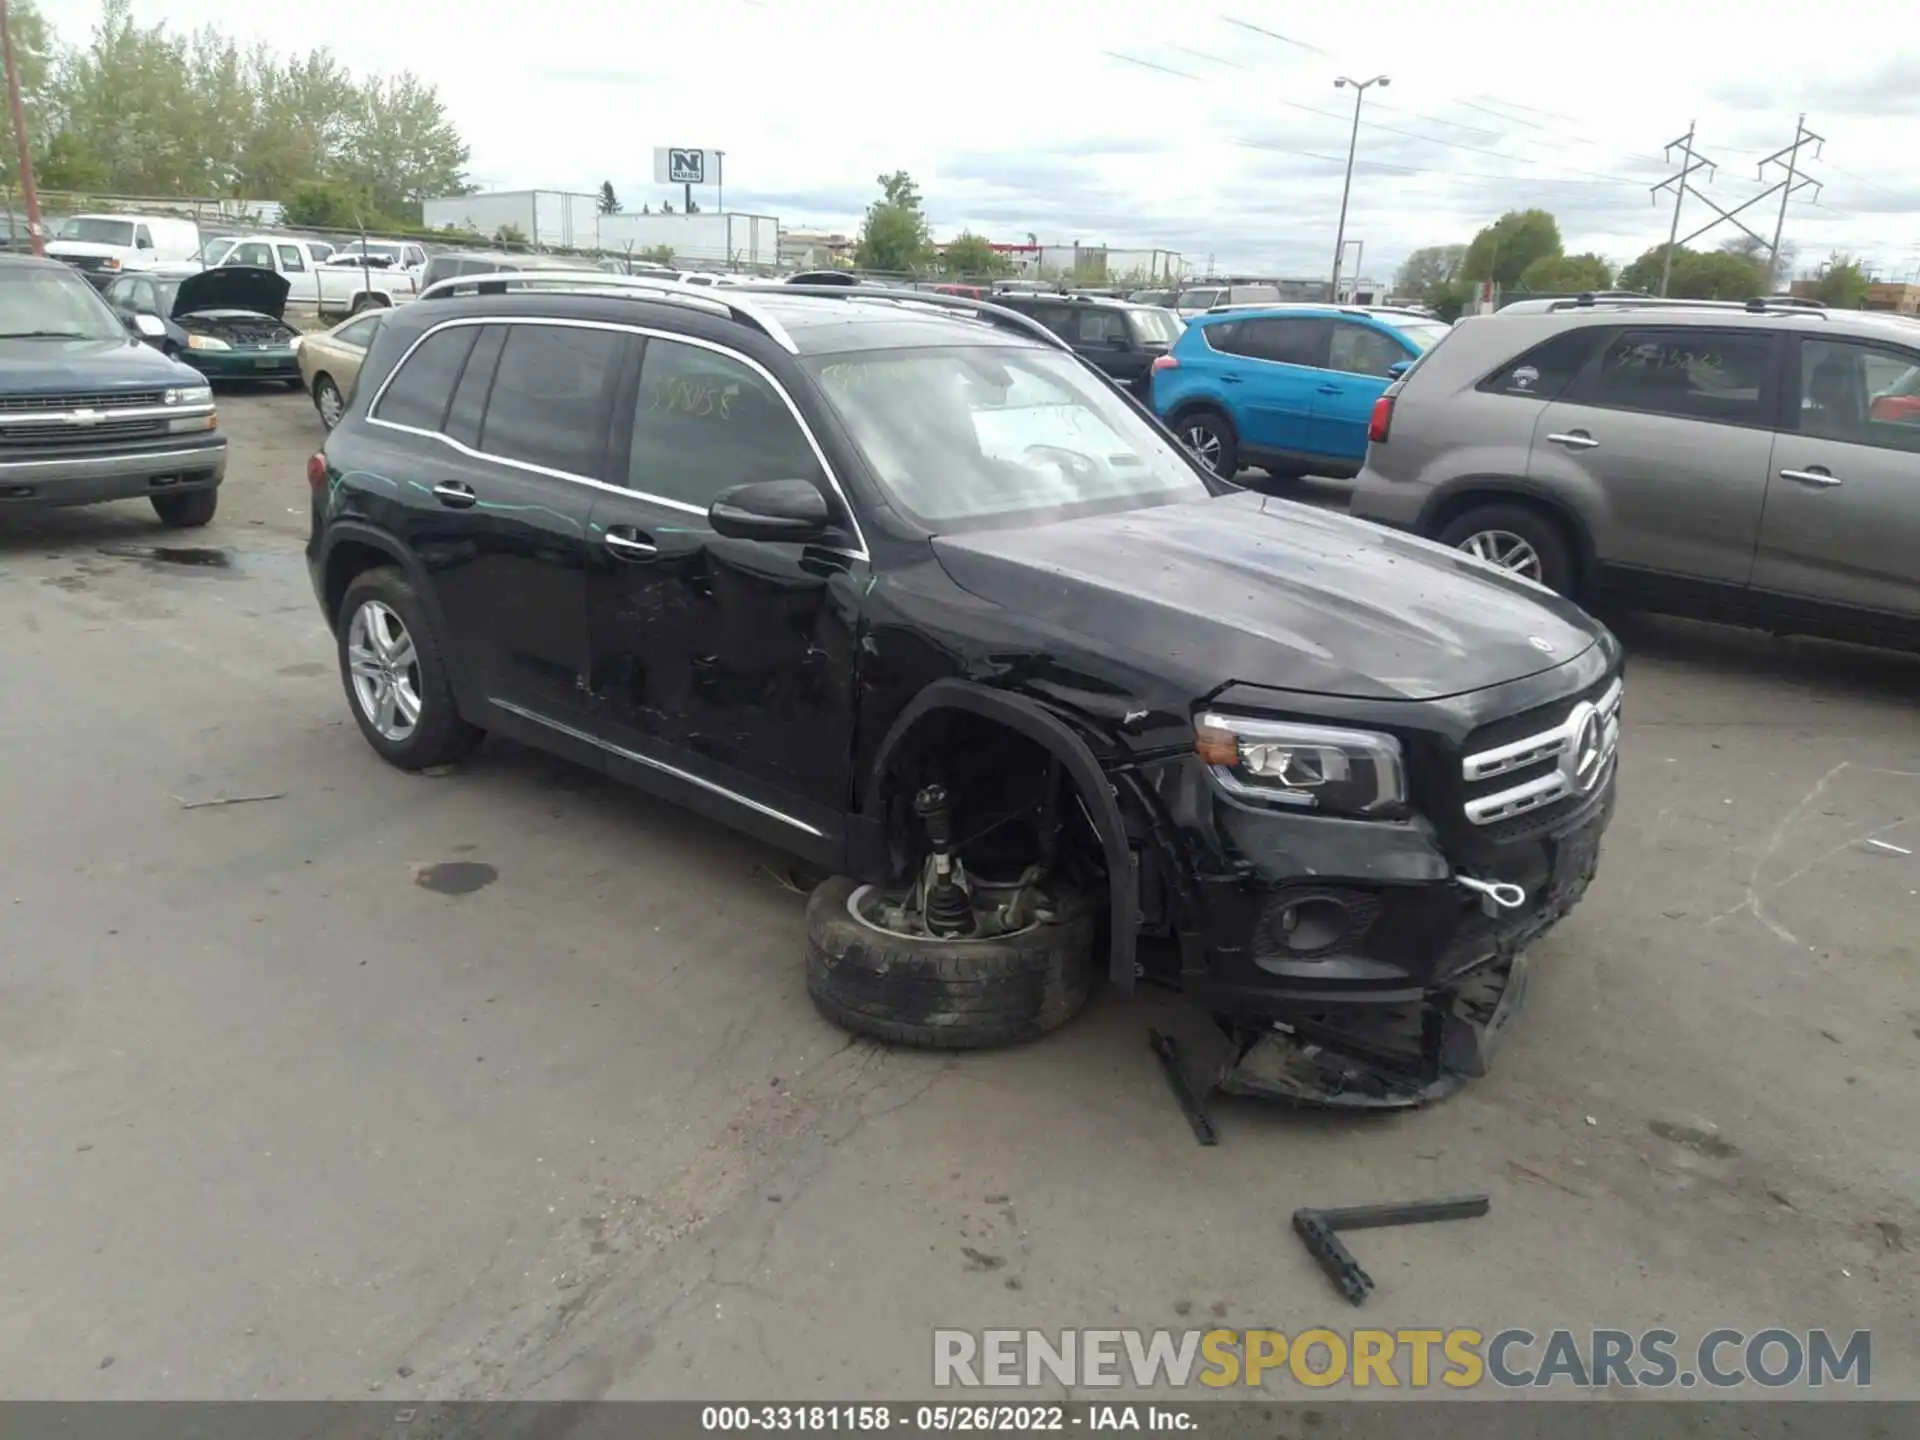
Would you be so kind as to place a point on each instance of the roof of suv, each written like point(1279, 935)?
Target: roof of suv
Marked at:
point(803, 321)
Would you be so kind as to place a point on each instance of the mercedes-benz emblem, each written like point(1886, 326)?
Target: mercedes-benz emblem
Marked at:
point(1541, 643)
point(1580, 761)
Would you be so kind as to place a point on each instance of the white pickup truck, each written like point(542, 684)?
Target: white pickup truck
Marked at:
point(331, 286)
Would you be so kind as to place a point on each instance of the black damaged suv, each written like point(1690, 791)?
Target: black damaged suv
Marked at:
point(898, 583)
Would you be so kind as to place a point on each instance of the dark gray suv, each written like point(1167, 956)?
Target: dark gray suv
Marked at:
point(1755, 463)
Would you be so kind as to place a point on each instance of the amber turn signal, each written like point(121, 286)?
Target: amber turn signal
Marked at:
point(1216, 745)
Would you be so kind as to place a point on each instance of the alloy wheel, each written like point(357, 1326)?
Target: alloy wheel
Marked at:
point(1205, 446)
point(385, 670)
point(1507, 550)
point(332, 407)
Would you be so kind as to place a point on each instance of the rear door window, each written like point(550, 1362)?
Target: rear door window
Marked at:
point(290, 259)
point(418, 393)
point(1724, 376)
point(1294, 341)
point(551, 404)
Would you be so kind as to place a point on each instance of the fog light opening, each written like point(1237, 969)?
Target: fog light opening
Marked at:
point(1315, 923)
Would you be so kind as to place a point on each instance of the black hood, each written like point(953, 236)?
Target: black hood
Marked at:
point(1267, 592)
point(233, 287)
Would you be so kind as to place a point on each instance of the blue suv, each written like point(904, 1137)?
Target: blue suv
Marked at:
point(1288, 388)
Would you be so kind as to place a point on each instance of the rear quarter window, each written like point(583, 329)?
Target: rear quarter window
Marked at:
point(419, 390)
point(1546, 370)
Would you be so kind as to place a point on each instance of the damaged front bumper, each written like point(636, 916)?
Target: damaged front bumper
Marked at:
point(1368, 965)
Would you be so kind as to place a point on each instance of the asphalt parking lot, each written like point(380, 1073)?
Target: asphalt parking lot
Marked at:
point(504, 1082)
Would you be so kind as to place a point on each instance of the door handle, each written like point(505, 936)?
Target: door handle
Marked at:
point(625, 543)
point(1327, 390)
point(454, 495)
point(1812, 475)
point(1229, 379)
point(1575, 440)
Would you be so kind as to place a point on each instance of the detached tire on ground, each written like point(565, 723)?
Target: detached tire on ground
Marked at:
point(944, 994)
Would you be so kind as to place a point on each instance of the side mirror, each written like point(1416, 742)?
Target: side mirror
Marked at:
point(788, 510)
point(151, 327)
point(1398, 368)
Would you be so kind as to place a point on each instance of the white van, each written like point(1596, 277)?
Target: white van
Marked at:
point(103, 246)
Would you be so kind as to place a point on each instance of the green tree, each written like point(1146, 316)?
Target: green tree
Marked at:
point(656, 255)
point(1502, 251)
point(1428, 268)
point(36, 57)
point(970, 254)
point(1566, 275)
point(1841, 283)
point(1759, 252)
point(1697, 275)
point(302, 113)
point(401, 148)
point(330, 205)
point(609, 202)
point(894, 235)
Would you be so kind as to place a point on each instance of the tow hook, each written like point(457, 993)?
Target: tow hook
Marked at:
point(1495, 895)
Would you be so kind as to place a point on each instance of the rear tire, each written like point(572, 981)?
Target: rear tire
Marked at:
point(944, 994)
point(186, 512)
point(328, 400)
point(1519, 538)
point(1210, 436)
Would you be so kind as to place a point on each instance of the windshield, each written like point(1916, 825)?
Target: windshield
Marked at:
point(213, 248)
point(1152, 297)
point(976, 437)
point(53, 304)
point(94, 231)
point(1155, 327)
point(389, 253)
point(1423, 335)
point(1201, 299)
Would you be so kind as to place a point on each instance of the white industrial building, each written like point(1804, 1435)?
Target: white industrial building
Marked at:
point(567, 220)
point(1144, 266)
point(729, 240)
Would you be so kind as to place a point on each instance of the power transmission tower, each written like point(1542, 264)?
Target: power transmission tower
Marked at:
point(1682, 184)
point(1786, 189)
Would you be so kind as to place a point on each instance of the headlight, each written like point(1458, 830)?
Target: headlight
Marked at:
point(1306, 767)
point(206, 342)
point(190, 395)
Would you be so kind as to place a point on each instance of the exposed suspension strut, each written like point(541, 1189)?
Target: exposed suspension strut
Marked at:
point(948, 911)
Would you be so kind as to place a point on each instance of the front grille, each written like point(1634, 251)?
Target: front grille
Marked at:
point(1541, 761)
point(59, 433)
point(83, 400)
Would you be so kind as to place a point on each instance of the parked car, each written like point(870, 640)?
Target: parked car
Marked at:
point(407, 255)
point(1740, 464)
point(229, 322)
point(1288, 388)
point(332, 286)
point(90, 414)
point(1116, 336)
point(103, 246)
point(330, 362)
point(451, 263)
point(918, 597)
point(1195, 299)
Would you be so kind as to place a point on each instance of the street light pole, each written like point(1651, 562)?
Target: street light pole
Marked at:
point(1360, 88)
point(28, 190)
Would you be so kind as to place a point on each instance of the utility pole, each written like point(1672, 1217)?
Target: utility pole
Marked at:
point(28, 190)
point(1786, 189)
point(1690, 164)
point(1801, 136)
point(1360, 88)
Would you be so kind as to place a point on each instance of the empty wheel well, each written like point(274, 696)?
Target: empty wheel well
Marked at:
point(1012, 803)
point(1453, 506)
point(347, 561)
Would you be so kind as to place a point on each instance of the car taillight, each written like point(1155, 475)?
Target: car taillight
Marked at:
point(316, 470)
point(1382, 420)
point(1165, 362)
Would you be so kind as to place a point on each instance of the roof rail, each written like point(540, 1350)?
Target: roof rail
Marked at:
point(714, 300)
point(1756, 306)
point(929, 300)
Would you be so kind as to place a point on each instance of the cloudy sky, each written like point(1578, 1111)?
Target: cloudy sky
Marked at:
point(1217, 133)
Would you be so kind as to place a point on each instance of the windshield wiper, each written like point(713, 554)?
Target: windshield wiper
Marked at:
point(43, 335)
